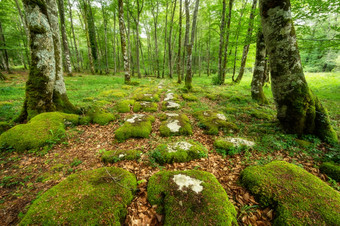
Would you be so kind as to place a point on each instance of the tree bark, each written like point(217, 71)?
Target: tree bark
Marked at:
point(67, 55)
point(165, 37)
point(155, 18)
point(170, 36)
point(247, 42)
point(24, 24)
point(179, 68)
point(221, 49)
point(123, 41)
point(225, 58)
point(105, 39)
point(114, 43)
point(298, 109)
point(74, 38)
point(45, 88)
point(259, 71)
point(4, 50)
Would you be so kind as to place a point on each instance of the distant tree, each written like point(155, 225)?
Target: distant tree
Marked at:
point(74, 37)
point(45, 88)
point(179, 68)
point(298, 109)
point(4, 50)
point(123, 40)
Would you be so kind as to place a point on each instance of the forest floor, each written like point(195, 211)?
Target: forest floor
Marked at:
point(23, 177)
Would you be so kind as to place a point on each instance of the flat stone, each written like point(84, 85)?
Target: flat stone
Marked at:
point(179, 145)
point(221, 116)
point(174, 126)
point(172, 114)
point(135, 117)
point(169, 96)
point(239, 141)
point(185, 181)
point(172, 105)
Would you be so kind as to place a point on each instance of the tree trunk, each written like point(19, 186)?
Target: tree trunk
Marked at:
point(179, 68)
point(67, 62)
point(298, 109)
point(114, 43)
point(105, 39)
point(123, 41)
point(259, 71)
point(24, 24)
point(165, 37)
point(4, 50)
point(188, 77)
point(155, 18)
point(221, 49)
point(45, 88)
point(170, 36)
point(247, 43)
point(2, 77)
point(225, 58)
point(74, 37)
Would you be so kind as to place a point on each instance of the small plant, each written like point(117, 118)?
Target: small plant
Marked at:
point(76, 162)
point(333, 184)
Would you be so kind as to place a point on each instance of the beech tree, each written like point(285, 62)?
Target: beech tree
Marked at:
point(45, 88)
point(298, 109)
point(123, 41)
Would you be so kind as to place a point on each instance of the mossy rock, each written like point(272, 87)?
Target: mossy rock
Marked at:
point(88, 198)
point(120, 155)
point(124, 106)
point(182, 151)
point(113, 93)
point(177, 124)
point(260, 115)
point(169, 96)
point(146, 94)
point(4, 126)
point(231, 146)
point(212, 96)
point(137, 126)
point(85, 120)
point(40, 130)
point(103, 118)
point(331, 169)
point(145, 106)
point(190, 197)
point(170, 105)
point(299, 197)
point(189, 97)
point(212, 121)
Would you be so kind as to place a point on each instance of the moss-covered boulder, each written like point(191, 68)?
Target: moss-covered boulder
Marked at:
point(169, 96)
point(40, 130)
point(182, 151)
point(170, 105)
point(124, 106)
point(176, 124)
point(116, 93)
point(299, 197)
point(146, 94)
point(96, 197)
point(145, 106)
point(190, 198)
point(212, 121)
point(137, 126)
point(231, 145)
point(103, 118)
point(4, 126)
point(120, 155)
point(331, 169)
point(189, 97)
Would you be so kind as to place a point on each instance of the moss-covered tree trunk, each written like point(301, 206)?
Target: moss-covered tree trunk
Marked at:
point(179, 68)
point(4, 50)
point(259, 70)
point(45, 88)
point(123, 40)
point(298, 109)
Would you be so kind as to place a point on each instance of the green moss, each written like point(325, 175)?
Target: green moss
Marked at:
point(127, 87)
point(181, 120)
point(230, 110)
point(212, 96)
point(212, 121)
point(303, 143)
point(182, 151)
point(103, 118)
point(165, 106)
point(189, 97)
point(88, 99)
point(119, 155)
point(140, 128)
point(260, 115)
point(124, 106)
point(85, 120)
point(299, 197)
point(4, 126)
point(38, 131)
point(113, 93)
point(89, 198)
point(146, 94)
point(211, 206)
point(145, 106)
point(331, 169)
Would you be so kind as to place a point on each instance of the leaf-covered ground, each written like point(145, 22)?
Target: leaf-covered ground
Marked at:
point(23, 177)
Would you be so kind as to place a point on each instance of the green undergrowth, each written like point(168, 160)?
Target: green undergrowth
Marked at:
point(186, 205)
point(181, 151)
point(38, 132)
point(298, 197)
point(179, 124)
point(331, 169)
point(95, 197)
point(120, 155)
point(124, 106)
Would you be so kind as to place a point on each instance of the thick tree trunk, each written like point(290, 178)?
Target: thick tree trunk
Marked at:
point(74, 37)
point(247, 41)
point(259, 71)
point(179, 68)
point(123, 41)
point(188, 77)
point(221, 49)
point(67, 55)
point(225, 57)
point(45, 88)
point(4, 50)
point(298, 109)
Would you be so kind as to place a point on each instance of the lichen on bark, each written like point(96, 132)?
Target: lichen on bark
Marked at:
point(298, 109)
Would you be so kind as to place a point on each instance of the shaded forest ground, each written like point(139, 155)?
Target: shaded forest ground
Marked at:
point(25, 176)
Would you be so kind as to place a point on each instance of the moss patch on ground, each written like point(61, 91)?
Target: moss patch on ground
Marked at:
point(299, 197)
point(145, 106)
point(4, 126)
point(170, 105)
point(89, 198)
point(176, 124)
point(38, 131)
point(189, 97)
point(124, 106)
point(120, 155)
point(190, 198)
point(331, 169)
point(212, 121)
point(182, 151)
point(137, 126)
point(113, 93)
point(231, 145)
point(146, 94)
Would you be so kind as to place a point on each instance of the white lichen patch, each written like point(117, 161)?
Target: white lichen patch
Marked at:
point(185, 181)
point(179, 145)
point(172, 105)
point(148, 95)
point(221, 116)
point(205, 113)
point(121, 156)
point(239, 141)
point(172, 114)
point(136, 117)
point(174, 126)
point(169, 96)
point(145, 103)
